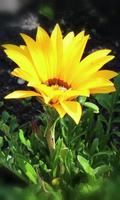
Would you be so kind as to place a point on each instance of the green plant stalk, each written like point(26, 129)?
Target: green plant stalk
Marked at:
point(50, 137)
point(50, 129)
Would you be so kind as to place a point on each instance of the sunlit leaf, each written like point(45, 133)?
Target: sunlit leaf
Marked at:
point(93, 106)
point(85, 165)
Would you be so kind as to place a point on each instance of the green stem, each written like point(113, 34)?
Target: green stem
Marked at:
point(50, 134)
point(50, 137)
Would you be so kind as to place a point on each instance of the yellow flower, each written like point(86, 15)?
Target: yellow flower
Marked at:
point(54, 67)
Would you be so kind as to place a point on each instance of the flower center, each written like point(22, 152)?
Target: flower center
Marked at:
point(58, 84)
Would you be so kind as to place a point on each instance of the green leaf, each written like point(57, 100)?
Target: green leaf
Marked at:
point(56, 156)
point(4, 128)
point(1, 142)
point(117, 83)
point(85, 165)
point(93, 106)
point(23, 139)
point(13, 124)
point(68, 160)
point(28, 170)
point(103, 153)
point(47, 11)
point(116, 133)
point(81, 100)
point(5, 116)
point(105, 100)
point(101, 170)
point(94, 146)
point(44, 167)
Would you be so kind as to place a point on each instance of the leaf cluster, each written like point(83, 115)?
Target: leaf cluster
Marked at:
point(84, 165)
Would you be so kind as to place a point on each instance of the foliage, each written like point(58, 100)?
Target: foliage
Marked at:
point(47, 11)
point(84, 165)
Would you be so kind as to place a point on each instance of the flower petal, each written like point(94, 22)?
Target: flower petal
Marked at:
point(73, 109)
point(59, 109)
point(89, 66)
point(39, 59)
point(21, 60)
point(71, 94)
point(96, 83)
point(21, 94)
point(72, 55)
point(46, 90)
point(83, 44)
point(22, 49)
point(68, 39)
point(42, 37)
point(106, 89)
point(44, 43)
point(27, 76)
point(107, 74)
point(57, 45)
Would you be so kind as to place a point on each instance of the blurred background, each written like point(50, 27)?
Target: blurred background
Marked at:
point(102, 16)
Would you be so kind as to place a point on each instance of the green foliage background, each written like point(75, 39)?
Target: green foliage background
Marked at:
point(84, 165)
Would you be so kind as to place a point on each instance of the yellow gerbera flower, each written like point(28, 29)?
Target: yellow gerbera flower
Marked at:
point(54, 67)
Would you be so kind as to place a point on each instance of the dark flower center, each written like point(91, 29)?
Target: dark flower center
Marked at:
point(58, 83)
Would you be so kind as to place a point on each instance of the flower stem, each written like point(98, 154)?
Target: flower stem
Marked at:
point(50, 134)
point(50, 137)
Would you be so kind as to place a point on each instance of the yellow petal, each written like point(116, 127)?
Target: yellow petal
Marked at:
point(59, 109)
point(12, 47)
point(96, 83)
point(22, 49)
point(27, 76)
point(44, 42)
point(72, 56)
point(47, 90)
point(71, 94)
point(87, 69)
point(22, 61)
point(57, 45)
point(46, 98)
point(42, 36)
point(68, 40)
point(83, 45)
point(106, 74)
point(73, 49)
point(72, 46)
point(96, 55)
point(106, 89)
point(73, 109)
point(79, 36)
point(21, 94)
point(27, 54)
point(39, 59)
